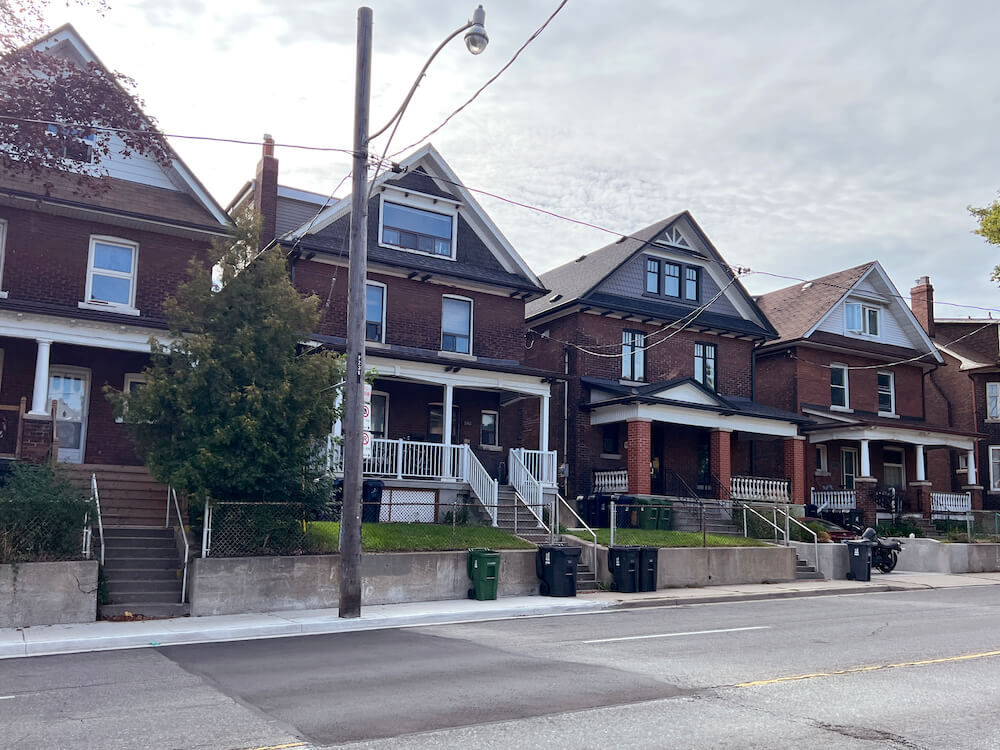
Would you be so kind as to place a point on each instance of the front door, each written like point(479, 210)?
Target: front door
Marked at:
point(69, 387)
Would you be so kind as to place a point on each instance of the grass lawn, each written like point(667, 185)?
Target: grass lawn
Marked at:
point(416, 537)
point(652, 538)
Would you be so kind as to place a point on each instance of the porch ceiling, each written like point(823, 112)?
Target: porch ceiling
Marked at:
point(696, 415)
point(458, 376)
point(928, 438)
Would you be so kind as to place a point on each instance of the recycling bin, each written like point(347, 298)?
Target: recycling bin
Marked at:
point(371, 500)
point(648, 562)
point(666, 513)
point(555, 565)
point(648, 515)
point(859, 553)
point(483, 567)
point(623, 564)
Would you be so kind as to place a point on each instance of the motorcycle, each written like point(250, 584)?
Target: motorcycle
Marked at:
point(884, 554)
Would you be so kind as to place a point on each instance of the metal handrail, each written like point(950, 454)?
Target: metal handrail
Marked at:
point(96, 497)
point(206, 530)
point(172, 493)
point(797, 522)
point(561, 502)
point(746, 529)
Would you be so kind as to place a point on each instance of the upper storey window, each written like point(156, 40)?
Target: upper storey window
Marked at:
point(111, 273)
point(664, 279)
point(418, 223)
point(863, 320)
point(74, 148)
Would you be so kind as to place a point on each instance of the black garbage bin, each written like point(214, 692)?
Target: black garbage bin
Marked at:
point(859, 553)
point(648, 563)
point(555, 565)
point(623, 564)
point(625, 511)
point(371, 500)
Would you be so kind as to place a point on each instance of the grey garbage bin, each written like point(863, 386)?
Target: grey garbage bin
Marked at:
point(860, 554)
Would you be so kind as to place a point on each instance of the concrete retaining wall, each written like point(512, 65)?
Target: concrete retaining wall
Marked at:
point(48, 593)
point(932, 556)
point(267, 584)
point(834, 561)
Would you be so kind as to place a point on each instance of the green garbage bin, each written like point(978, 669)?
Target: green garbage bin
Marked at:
point(483, 567)
point(649, 515)
point(666, 514)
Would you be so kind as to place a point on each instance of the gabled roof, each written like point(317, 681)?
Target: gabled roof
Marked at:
point(429, 162)
point(192, 206)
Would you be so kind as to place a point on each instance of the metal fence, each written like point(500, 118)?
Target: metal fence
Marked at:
point(44, 532)
point(639, 524)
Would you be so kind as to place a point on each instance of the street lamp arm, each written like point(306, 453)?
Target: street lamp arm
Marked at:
point(420, 76)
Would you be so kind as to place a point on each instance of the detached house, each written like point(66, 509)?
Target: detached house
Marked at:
point(83, 277)
point(655, 336)
point(445, 330)
point(851, 356)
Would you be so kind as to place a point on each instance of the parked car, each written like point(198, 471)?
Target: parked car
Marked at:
point(837, 533)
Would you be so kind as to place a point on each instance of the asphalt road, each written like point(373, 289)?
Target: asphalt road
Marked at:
point(898, 670)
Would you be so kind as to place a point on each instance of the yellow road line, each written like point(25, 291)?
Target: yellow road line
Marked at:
point(279, 747)
point(873, 668)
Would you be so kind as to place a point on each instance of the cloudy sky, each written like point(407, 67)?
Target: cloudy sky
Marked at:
point(804, 137)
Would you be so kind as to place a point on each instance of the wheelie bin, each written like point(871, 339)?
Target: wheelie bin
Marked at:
point(648, 515)
point(623, 564)
point(859, 553)
point(664, 522)
point(555, 565)
point(483, 567)
point(625, 506)
point(371, 500)
point(648, 563)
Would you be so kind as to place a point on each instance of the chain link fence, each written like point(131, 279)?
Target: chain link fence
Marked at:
point(40, 531)
point(676, 522)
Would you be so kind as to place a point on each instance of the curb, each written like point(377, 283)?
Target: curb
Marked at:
point(680, 601)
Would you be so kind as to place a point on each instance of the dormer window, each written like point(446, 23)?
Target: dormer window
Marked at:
point(667, 279)
point(418, 223)
point(74, 146)
point(862, 320)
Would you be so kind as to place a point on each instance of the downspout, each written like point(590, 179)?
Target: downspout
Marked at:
point(566, 414)
point(753, 398)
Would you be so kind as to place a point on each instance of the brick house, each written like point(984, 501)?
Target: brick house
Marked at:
point(854, 359)
point(655, 336)
point(445, 331)
point(83, 278)
point(969, 388)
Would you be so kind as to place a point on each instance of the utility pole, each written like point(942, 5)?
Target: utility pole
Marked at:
point(350, 521)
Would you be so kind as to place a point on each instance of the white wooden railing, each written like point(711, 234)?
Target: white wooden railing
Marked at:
point(951, 502)
point(526, 486)
point(481, 482)
point(541, 464)
point(606, 482)
point(834, 499)
point(760, 489)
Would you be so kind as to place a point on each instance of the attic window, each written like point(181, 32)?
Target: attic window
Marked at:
point(861, 319)
point(72, 145)
point(407, 222)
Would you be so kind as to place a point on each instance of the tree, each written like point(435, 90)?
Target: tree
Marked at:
point(234, 404)
point(53, 107)
point(989, 228)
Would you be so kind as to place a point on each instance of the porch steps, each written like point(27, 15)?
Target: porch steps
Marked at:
point(510, 508)
point(586, 579)
point(129, 495)
point(806, 571)
point(142, 572)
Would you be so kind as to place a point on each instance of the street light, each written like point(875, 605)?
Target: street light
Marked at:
point(350, 522)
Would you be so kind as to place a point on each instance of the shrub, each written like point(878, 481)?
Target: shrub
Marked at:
point(42, 515)
point(899, 528)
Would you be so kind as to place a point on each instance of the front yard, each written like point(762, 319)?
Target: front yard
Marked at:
point(415, 537)
point(655, 538)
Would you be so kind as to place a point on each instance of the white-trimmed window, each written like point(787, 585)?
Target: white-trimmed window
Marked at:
point(633, 355)
point(886, 392)
point(133, 382)
point(704, 365)
point(489, 428)
point(822, 460)
point(862, 319)
point(995, 468)
point(893, 468)
point(380, 414)
point(418, 223)
point(963, 463)
point(3, 254)
point(375, 312)
point(993, 401)
point(111, 272)
point(840, 396)
point(74, 147)
point(848, 467)
point(456, 324)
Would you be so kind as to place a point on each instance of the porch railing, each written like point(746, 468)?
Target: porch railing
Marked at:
point(11, 420)
point(760, 489)
point(541, 464)
point(834, 499)
point(526, 486)
point(481, 482)
point(951, 502)
point(610, 482)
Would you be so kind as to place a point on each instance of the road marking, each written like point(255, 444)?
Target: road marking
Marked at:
point(871, 668)
point(6, 697)
point(675, 635)
point(279, 747)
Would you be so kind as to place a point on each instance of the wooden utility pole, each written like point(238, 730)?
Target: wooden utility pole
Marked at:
point(350, 521)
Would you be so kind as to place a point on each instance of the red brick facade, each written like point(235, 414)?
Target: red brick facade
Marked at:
point(639, 446)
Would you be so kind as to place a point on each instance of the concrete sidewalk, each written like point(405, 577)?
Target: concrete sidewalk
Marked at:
point(102, 636)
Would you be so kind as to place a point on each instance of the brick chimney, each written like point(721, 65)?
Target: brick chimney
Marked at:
point(265, 191)
point(922, 304)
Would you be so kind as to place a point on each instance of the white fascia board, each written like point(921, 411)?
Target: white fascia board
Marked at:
point(305, 196)
point(897, 301)
point(895, 435)
point(198, 190)
point(426, 372)
point(964, 362)
point(121, 337)
point(840, 301)
point(694, 417)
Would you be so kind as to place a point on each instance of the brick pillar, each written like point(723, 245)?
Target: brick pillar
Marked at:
point(640, 446)
point(720, 459)
point(795, 467)
point(864, 490)
point(36, 438)
point(976, 490)
point(920, 492)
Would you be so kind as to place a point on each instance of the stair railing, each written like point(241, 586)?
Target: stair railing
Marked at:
point(172, 495)
point(773, 523)
point(483, 485)
point(96, 497)
point(527, 488)
point(790, 519)
point(206, 530)
point(561, 503)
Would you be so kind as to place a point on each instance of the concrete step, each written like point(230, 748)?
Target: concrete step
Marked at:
point(137, 531)
point(121, 573)
point(168, 590)
point(145, 609)
point(146, 563)
point(156, 597)
point(586, 585)
point(809, 576)
point(139, 553)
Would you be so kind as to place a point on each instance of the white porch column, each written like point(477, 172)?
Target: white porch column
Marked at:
point(40, 393)
point(543, 423)
point(866, 461)
point(921, 470)
point(449, 392)
point(972, 467)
